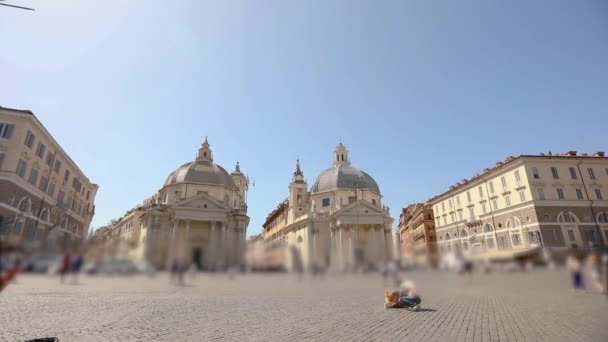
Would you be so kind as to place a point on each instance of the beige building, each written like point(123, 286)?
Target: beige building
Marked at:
point(340, 222)
point(198, 217)
point(275, 240)
point(255, 256)
point(45, 199)
point(524, 203)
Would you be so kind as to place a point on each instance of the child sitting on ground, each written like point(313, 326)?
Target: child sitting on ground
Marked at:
point(405, 298)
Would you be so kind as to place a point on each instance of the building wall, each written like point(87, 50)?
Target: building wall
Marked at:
point(42, 179)
point(516, 209)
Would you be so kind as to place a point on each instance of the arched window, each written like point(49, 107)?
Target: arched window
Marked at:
point(299, 239)
point(566, 217)
point(513, 222)
point(487, 228)
point(463, 233)
point(447, 236)
point(602, 217)
point(25, 205)
point(44, 216)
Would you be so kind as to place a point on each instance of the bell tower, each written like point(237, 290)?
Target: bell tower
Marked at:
point(298, 195)
point(204, 153)
point(241, 181)
point(341, 155)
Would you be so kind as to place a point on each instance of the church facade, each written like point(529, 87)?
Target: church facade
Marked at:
point(198, 217)
point(339, 223)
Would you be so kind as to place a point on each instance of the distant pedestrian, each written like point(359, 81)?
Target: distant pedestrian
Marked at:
point(76, 266)
point(574, 266)
point(181, 269)
point(65, 266)
point(593, 267)
point(173, 269)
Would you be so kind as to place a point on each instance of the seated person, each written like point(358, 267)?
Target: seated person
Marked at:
point(408, 298)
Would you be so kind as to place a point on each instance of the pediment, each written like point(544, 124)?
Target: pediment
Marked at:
point(362, 207)
point(201, 201)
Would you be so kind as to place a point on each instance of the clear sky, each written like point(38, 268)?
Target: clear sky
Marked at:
point(423, 93)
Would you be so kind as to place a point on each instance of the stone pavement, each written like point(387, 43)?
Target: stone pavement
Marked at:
point(536, 306)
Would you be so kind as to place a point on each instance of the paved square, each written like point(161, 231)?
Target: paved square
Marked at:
point(262, 307)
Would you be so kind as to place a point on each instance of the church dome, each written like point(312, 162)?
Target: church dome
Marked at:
point(202, 171)
point(342, 175)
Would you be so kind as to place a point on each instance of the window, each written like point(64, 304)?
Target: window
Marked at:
point(554, 173)
point(508, 200)
point(490, 243)
point(60, 197)
point(516, 239)
point(566, 217)
point(6, 130)
point(522, 195)
point(503, 181)
point(25, 205)
point(491, 185)
point(325, 202)
point(49, 159)
point(603, 217)
point(469, 196)
point(560, 194)
point(598, 194)
point(480, 191)
point(517, 177)
point(590, 235)
point(571, 235)
point(18, 227)
point(29, 139)
point(452, 217)
point(472, 213)
point(40, 150)
point(52, 189)
point(1, 160)
point(483, 208)
point(579, 194)
point(451, 204)
point(572, 173)
point(458, 200)
point(44, 182)
point(442, 206)
point(495, 204)
point(57, 166)
point(45, 215)
point(591, 173)
point(34, 177)
point(535, 173)
point(460, 216)
point(66, 176)
point(541, 193)
point(487, 228)
point(21, 167)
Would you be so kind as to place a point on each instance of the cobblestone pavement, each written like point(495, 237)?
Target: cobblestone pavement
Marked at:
point(263, 307)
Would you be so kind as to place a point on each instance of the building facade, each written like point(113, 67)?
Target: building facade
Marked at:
point(198, 217)
point(524, 203)
point(339, 223)
point(275, 240)
point(46, 201)
point(417, 226)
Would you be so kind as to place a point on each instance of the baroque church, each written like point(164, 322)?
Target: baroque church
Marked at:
point(198, 217)
point(340, 223)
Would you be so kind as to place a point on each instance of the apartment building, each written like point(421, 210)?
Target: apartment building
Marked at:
point(524, 203)
point(46, 200)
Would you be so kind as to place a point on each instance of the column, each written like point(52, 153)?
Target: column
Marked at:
point(332, 246)
point(172, 242)
point(351, 247)
point(211, 246)
point(222, 254)
point(381, 242)
point(340, 258)
point(187, 250)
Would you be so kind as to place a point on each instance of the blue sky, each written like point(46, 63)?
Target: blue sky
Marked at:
point(423, 93)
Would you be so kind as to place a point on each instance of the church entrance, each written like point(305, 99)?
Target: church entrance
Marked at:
point(197, 257)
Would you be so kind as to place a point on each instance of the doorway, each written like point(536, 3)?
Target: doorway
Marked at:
point(197, 257)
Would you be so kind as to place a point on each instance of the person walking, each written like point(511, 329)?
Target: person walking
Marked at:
point(574, 266)
point(76, 266)
point(65, 266)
